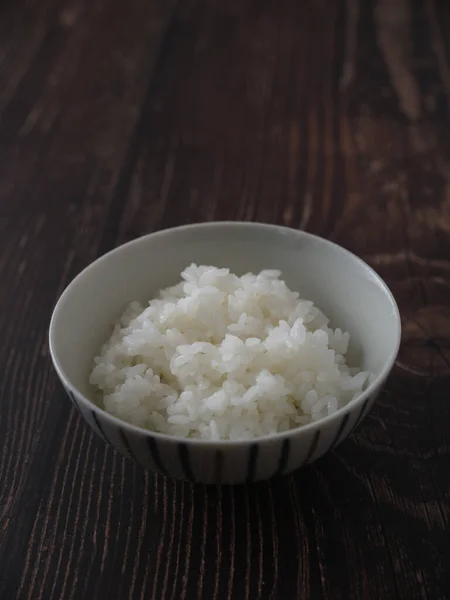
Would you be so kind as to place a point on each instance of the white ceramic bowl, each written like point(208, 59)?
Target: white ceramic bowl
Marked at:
point(343, 286)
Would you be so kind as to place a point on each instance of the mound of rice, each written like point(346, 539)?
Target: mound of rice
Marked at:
point(225, 357)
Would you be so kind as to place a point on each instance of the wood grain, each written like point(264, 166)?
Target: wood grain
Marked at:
point(118, 119)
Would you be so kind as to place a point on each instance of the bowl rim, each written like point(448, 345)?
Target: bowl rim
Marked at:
point(371, 389)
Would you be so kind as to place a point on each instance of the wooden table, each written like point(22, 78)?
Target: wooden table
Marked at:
point(118, 119)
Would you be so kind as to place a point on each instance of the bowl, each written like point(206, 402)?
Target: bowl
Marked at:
point(347, 290)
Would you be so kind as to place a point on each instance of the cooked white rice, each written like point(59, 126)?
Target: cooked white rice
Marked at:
point(225, 357)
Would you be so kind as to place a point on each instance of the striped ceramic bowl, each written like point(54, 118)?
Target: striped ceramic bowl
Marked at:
point(343, 286)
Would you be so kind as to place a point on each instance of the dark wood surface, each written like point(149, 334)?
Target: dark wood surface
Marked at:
point(120, 118)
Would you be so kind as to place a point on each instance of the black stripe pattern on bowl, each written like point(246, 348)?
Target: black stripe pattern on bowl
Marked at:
point(126, 444)
point(99, 428)
point(183, 453)
point(312, 448)
point(155, 455)
point(74, 401)
point(284, 458)
point(252, 463)
point(340, 431)
point(218, 466)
